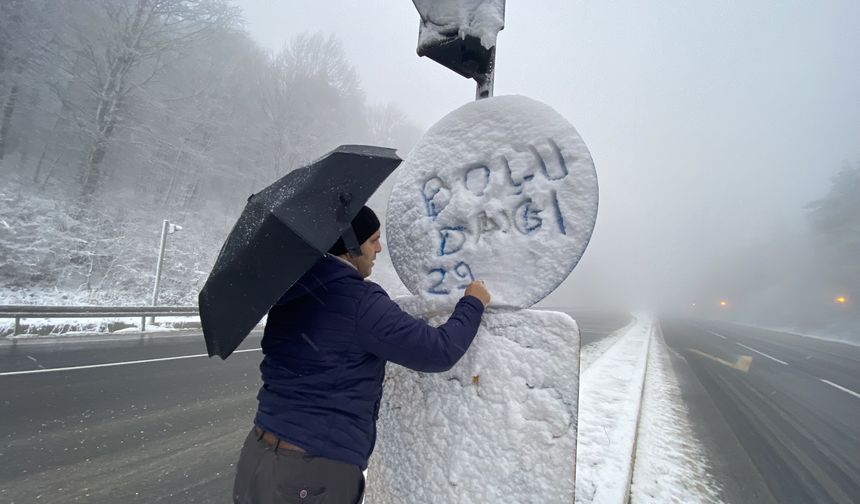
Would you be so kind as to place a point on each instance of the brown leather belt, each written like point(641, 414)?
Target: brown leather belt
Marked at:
point(273, 441)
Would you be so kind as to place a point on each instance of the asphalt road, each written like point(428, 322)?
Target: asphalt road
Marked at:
point(156, 431)
point(780, 413)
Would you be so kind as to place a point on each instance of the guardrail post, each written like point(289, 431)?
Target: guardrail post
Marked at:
point(142, 324)
point(165, 230)
point(17, 329)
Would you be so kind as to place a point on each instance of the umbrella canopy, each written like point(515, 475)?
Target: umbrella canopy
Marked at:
point(282, 232)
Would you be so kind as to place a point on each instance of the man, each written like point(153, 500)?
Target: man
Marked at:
point(326, 344)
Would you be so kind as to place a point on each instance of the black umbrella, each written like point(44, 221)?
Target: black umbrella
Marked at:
point(283, 231)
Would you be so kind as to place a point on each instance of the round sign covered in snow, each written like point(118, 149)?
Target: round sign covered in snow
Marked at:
point(501, 189)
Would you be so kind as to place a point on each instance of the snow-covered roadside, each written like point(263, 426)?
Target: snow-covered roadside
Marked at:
point(635, 439)
point(61, 327)
point(670, 464)
point(795, 332)
point(610, 396)
point(590, 353)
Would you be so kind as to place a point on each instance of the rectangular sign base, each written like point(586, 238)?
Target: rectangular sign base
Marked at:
point(498, 427)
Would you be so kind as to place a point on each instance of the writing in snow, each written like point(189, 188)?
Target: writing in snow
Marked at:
point(504, 188)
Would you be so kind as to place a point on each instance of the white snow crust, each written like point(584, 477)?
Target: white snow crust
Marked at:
point(501, 189)
point(500, 426)
point(608, 415)
point(671, 465)
point(482, 19)
point(592, 352)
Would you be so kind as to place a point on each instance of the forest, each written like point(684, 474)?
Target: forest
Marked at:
point(117, 115)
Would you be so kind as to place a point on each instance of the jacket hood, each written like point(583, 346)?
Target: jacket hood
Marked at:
point(326, 270)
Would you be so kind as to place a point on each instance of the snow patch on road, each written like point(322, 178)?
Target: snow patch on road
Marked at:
point(795, 332)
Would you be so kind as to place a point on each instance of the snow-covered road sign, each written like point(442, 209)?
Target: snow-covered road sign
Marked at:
point(502, 190)
point(461, 35)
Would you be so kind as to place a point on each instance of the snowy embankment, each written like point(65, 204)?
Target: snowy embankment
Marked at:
point(609, 403)
point(71, 326)
point(671, 465)
point(635, 442)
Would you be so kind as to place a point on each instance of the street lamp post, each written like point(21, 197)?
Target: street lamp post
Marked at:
point(166, 228)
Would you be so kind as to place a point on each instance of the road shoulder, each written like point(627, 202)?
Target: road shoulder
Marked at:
point(730, 466)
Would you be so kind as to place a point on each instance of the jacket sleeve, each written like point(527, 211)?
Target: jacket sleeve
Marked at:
point(388, 332)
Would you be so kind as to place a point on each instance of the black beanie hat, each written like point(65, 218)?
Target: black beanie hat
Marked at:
point(364, 224)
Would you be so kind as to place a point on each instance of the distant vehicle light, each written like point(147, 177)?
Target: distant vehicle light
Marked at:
point(841, 300)
point(724, 304)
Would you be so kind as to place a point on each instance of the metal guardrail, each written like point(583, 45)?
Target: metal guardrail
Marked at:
point(19, 312)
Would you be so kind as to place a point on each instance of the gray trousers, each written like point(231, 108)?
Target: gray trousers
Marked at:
point(264, 476)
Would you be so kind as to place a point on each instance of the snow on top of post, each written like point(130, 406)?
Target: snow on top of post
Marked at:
point(482, 19)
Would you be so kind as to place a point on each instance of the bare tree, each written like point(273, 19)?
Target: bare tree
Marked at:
point(19, 20)
point(389, 126)
point(123, 51)
point(160, 112)
point(311, 100)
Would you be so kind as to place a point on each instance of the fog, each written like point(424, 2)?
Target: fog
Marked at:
point(712, 127)
point(716, 129)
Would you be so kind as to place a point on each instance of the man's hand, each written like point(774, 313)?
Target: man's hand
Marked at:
point(478, 290)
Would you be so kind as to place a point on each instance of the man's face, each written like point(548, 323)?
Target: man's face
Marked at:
point(369, 249)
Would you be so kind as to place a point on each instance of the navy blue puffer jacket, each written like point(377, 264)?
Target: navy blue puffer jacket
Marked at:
point(325, 347)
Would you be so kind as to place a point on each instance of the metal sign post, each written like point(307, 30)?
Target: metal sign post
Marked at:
point(166, 229)
point(485, 82)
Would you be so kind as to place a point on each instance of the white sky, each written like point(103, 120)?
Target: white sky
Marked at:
point(711, 123)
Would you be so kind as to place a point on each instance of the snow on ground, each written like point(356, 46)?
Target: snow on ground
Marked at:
point(821, 337)
point(610, 394)
point(671, 465)
point(627, 380)
point(595, 349)
point(70, 326)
